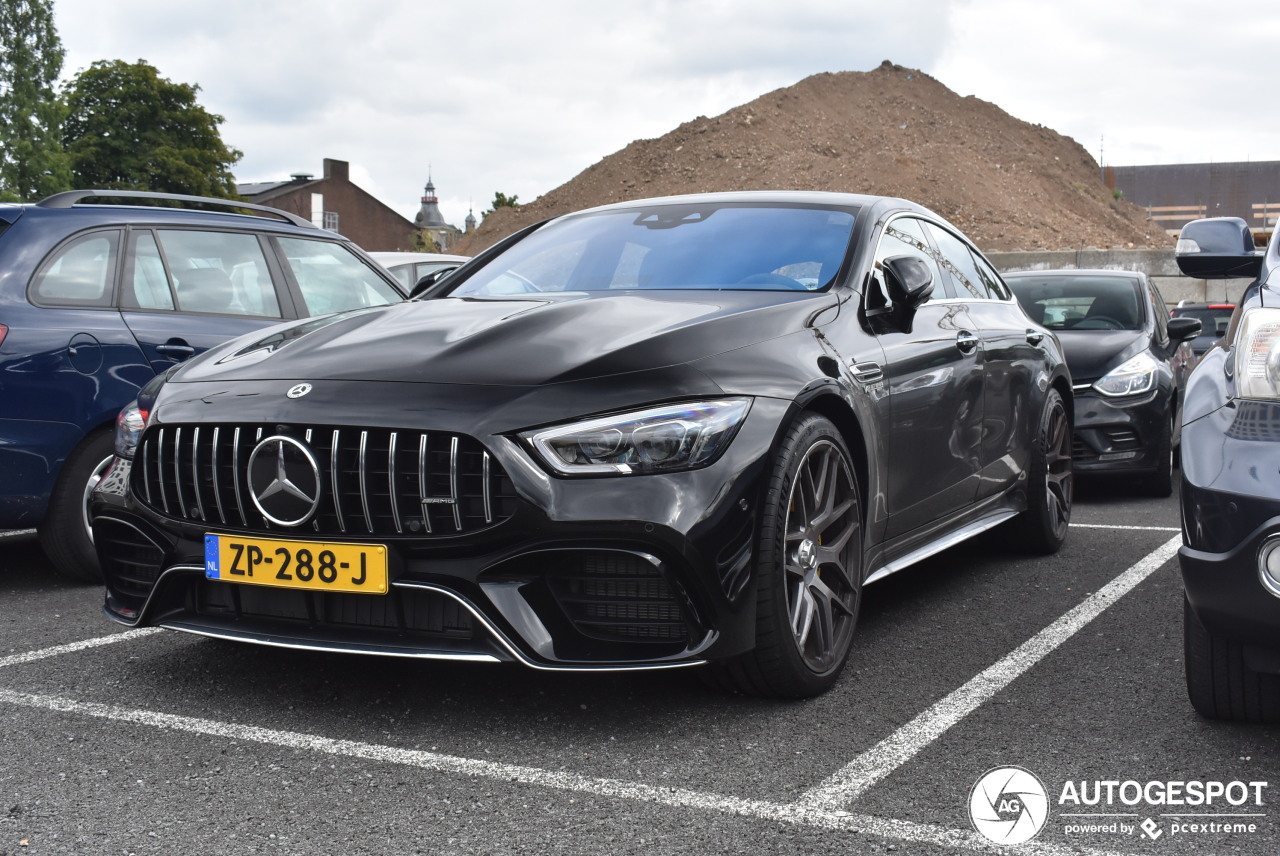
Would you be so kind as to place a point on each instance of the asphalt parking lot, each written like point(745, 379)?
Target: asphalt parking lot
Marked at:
point(1070, 667)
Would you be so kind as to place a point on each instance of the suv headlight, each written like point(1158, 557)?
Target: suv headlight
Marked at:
point(657, 440)
point(1132, 377)
point(1258, 355)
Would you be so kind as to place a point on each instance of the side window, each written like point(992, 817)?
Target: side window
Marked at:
point(224, 273)
point(1161, 312)
point(995, 285)
point(960, 263)
point(148, 288)
point(80, 272)
point(903, 237)
point(333, 279)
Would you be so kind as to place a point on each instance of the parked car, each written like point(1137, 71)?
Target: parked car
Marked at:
point(1230, 557)
point(1129, 363)
point(95, 299)
point(1214, 319)
point(654, 434)
point(410, 268)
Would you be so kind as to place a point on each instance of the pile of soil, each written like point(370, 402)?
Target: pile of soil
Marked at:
point(892, 131)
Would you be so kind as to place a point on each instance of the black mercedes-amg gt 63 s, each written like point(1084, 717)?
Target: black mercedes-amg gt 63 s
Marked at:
point(661, 433)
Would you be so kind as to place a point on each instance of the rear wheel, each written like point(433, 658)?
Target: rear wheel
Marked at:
point(65, 534)
point(1219, 682)
point(1043, 526)
point(809, 569)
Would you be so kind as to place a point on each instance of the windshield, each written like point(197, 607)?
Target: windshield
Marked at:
point(694, 246)
point(1081, 302)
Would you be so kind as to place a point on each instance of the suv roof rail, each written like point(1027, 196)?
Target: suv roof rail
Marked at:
point(70, 197)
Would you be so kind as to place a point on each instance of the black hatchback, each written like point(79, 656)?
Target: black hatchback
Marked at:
point(1129, 363)
point(662, 433)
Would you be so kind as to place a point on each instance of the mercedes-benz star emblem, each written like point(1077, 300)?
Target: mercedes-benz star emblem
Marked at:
point(298, 390)
point(284, 481)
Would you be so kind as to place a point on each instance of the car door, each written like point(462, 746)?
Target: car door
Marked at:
point(186, 290)
point(934, 376)
point(1013, 362)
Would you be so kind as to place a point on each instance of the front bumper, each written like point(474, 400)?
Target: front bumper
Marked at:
point(1230, 510)
point(627, 572)
point(1119, 435)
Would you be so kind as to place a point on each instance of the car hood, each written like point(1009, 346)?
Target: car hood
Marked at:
point(514, 341)
point(1092, 353)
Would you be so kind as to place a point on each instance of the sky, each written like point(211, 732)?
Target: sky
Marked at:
point(519, 97)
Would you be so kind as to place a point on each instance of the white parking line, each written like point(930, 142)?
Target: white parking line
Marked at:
point(44, 653)
point(819, 807)
point(1116, 526)
point(673, 797)
point(889, 754)
point(15, 533)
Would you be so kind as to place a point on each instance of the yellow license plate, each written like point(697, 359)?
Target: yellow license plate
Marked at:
point(311, 565)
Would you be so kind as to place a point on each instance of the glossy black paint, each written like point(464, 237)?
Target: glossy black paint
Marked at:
point(1230, 488)
point(939, 422)
point(1121, 434)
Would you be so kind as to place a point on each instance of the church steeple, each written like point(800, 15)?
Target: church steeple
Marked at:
point(429, 216)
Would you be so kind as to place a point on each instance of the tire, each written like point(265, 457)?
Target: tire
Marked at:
point(1042, 527)
point(64, 533)
point(1160, 482)
point(808, 569)
point(1219, 682)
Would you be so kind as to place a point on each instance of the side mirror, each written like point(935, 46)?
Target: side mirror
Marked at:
point(909, 280)
point(431, 279)
point(1181, 329)
point(1218, 248)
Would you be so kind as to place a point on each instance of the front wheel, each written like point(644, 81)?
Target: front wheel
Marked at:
point(1042, 527)
point(808, 570)
point(1220, 683)
point(1160, 482)
point(65, 535)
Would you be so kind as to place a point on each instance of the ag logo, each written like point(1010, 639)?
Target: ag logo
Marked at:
point(1008, 805)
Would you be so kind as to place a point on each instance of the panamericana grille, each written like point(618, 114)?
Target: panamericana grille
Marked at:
point(373, 481)
point(620, 598)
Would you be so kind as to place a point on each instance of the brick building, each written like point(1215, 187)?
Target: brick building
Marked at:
point(334, 203)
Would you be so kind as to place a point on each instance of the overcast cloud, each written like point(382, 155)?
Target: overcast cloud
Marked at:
point(519, 97)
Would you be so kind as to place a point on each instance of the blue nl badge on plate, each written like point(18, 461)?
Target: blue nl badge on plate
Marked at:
point(211, 557)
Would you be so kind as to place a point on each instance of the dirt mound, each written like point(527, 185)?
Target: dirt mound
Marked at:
point(893, 131)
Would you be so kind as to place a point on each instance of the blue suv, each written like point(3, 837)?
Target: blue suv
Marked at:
point(96, 299)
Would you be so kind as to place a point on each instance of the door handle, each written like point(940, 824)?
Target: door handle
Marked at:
point(966, 341)
point(1035, 337)
point(178, 351)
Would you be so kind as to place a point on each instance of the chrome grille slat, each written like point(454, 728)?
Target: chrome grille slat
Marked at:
point(235, 474)
point(217, 493)
point(195, 470)
point(391, 482)
point(177, 472)
point(333, 473)
point(485, 488)
point(198, 473)
point(422, 482)
point(364, 486)
point(453, 483)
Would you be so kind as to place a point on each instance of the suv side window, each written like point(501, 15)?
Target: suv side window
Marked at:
point(80, 273)
point(995, 285)
point(333, 279)
point(223, 273)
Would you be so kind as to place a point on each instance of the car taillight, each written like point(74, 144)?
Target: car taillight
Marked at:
point(3, 332)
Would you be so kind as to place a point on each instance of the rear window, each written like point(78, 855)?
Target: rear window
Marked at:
point(80, 272)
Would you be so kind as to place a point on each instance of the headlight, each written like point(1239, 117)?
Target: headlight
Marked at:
point(1258, 355)
point(1133, 376)
point(658, 440)
point(130, 424)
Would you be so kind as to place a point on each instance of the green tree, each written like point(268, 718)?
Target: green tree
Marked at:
point(128, 128)
point(32, 163)
point(501, 200)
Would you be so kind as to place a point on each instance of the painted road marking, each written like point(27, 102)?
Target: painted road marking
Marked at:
point(862, 773)
point(44, 653)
